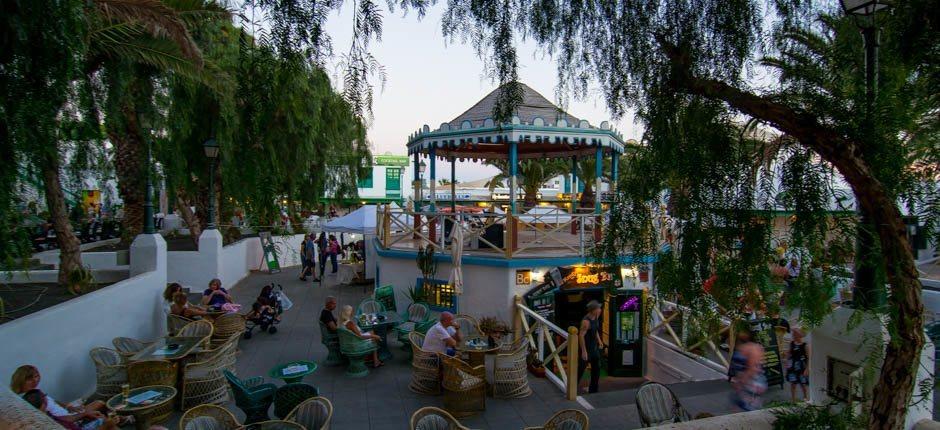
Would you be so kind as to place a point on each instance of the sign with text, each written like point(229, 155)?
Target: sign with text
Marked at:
point(765, 335)
point(590, 277)
point(523, 277)
point(390, 160)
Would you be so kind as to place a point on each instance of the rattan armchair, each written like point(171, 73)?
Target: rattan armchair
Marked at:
point(469, 327)
point(208, 417)
point(355, 349)
point(369, 306)
point(464, 387)
point(203, 381)
point(425, 367)
point(314, 414)
point(200, 328)
point(110, 372)
point(128, 346)
point(225, 326)
point(421, 328)
point(568, 419)
point(431, 418)
point(174, 323)
point(151, 372)
point(230, 347)
point(330, 340)
point(252, 396)
point(289, 396)
point(657, 404)
point(510, 374)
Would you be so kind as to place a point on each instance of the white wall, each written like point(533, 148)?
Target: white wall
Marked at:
point(57, 339)
point(196, 268)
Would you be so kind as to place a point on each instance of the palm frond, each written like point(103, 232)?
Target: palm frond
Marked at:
point(156, 18)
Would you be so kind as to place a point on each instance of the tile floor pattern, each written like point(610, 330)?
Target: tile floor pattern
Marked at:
point(383, 401)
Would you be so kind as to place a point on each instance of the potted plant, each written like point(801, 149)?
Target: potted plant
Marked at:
point(535, 365)
point(494, 329)
point(427, 265)
point(79, 280)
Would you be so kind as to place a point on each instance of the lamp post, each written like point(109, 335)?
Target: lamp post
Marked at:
point(421, 168)
point(147, 129)
point(867, 294)
point(211, 148)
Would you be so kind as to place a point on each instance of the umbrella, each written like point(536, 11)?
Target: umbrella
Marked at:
point(456, 252)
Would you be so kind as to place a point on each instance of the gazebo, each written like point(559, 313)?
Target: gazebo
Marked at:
point(538, 130)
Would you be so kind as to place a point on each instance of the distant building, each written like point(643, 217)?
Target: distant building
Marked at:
point(383, 183)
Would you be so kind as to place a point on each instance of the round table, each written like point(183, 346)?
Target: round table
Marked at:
point(295, 376)
point(156, 409)
point(476, 353)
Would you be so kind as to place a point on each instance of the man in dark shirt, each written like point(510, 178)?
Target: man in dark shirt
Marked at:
point(326, 315)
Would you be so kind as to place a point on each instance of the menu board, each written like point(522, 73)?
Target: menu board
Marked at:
point(541, 299)
point(765, 335)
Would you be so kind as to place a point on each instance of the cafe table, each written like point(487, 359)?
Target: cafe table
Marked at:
point(476, 349)
point(169, 348)
point(381, 323)
point(293, 371)
point(148, 405)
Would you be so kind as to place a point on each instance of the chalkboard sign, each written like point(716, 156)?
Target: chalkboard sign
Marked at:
point(541, 299)
point(765, 335)
point(270, 252)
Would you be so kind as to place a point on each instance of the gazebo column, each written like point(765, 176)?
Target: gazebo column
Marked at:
point(513, 171)
point(574, 193)
point(453, 185)
point(614, 170)
point(416, 183)
point(432, 220)
point(598, 172)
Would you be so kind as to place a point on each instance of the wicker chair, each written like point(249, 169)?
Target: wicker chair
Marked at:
point(151, 372)
point(568, 419)
point(420, 328)
point(252, 396)
point(208, 417)
point(201, 328)
point(128, 346)
point(288, 396)
point(331, 341)
point(355, 349)
point(425, 367)
point(225, 326)
point(464, 387)
point(417, 313)
point(510, 374)
point(230, 347)
point(203, 381)
point(174, 323)
point(275, 425)
point(110, 370)
point(469, 327)
point(369, 306)
point(314, 414)
point(657, 405)
point(431, 418)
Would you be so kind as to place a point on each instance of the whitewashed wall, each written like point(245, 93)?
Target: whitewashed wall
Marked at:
point(231, 263)
point(57, 339)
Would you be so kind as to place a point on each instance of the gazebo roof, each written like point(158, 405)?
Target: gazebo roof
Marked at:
point(539, 127)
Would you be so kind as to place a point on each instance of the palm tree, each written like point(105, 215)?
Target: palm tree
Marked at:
point(533, 174)
point(586, 175)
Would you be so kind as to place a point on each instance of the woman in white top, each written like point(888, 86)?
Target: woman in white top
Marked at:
point(168, 293)
point(346, 316)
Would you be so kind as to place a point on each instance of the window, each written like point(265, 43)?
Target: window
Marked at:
point(439, 294)
point(366, 182)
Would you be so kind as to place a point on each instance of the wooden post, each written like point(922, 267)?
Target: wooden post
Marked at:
point(508, 234)
point(517, 318)
point(573, 352)
point(386, 227)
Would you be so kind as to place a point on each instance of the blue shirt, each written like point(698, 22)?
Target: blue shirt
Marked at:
point(216, 300)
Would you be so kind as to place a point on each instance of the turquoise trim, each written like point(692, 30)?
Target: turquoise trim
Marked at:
point(505, 262)
point(618, 147)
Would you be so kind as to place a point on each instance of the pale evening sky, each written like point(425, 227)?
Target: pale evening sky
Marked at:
point(430, 81)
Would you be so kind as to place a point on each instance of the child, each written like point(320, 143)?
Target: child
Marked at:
point(798, 371)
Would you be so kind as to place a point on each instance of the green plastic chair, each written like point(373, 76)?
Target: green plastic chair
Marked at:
point(386, 296)
point(331, 341)
point(421, 327)
point(289, 396)
point(355, 349)
point(415, 314)
point(252, 396)
point(369, 306)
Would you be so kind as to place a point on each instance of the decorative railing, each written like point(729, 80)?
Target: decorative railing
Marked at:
point(496, 234)
point(557, 349)
point(706, 348)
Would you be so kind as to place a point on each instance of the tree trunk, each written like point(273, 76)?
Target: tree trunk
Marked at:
point(531, 198)
point(129, 166)
point(70, 253)
point(587, 196)
point(190, 218)
point(902, 354)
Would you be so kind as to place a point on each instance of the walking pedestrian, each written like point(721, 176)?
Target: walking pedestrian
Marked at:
point(322, 250)
point(798, 369)
point(590, 344)
point(333, 250)
point(746, 372)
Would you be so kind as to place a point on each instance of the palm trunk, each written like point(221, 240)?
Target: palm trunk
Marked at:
point(70, 253)
point(190, 218)
point(129, 151)
point(587, 196)
point(531, 197)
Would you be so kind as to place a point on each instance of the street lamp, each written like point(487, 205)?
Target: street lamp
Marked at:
point(211, 148)
point(147, 129)
point(422, 167)
point(867, 295)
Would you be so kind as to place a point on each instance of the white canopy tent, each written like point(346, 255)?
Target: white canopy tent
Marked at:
point(360, 221)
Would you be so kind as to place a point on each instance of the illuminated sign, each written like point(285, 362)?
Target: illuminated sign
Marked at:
point(631, 304)
point(523, 277)
point(589, 277)
point(390, 160)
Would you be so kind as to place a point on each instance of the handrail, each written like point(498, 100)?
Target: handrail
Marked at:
point(547, 332)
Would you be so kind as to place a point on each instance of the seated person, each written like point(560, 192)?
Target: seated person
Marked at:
point(40, 401)
point(215, 295)
point(350, 324)
point(326, 315)
point(182, 307)
point(168, 294)
point(442, 338)
point(261, 314)
point(26, 379)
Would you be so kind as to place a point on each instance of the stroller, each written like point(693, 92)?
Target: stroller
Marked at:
point(267, 309)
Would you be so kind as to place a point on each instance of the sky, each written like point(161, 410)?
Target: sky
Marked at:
point(430, 81)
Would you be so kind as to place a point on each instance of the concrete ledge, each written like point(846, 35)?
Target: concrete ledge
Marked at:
point(109, 275)
point(754, 420)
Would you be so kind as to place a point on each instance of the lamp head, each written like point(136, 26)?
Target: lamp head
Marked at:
point(211, 147)
point(863, 7)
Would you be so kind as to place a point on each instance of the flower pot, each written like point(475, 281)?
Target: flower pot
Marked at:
point(539, 371)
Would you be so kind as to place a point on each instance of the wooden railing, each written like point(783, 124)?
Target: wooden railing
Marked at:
point(556, 348)
point(660, 320)
point(558, 232)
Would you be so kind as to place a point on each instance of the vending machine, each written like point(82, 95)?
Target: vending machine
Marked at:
point(626, 346)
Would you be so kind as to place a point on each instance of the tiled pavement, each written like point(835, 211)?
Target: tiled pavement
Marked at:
point(383, 401)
